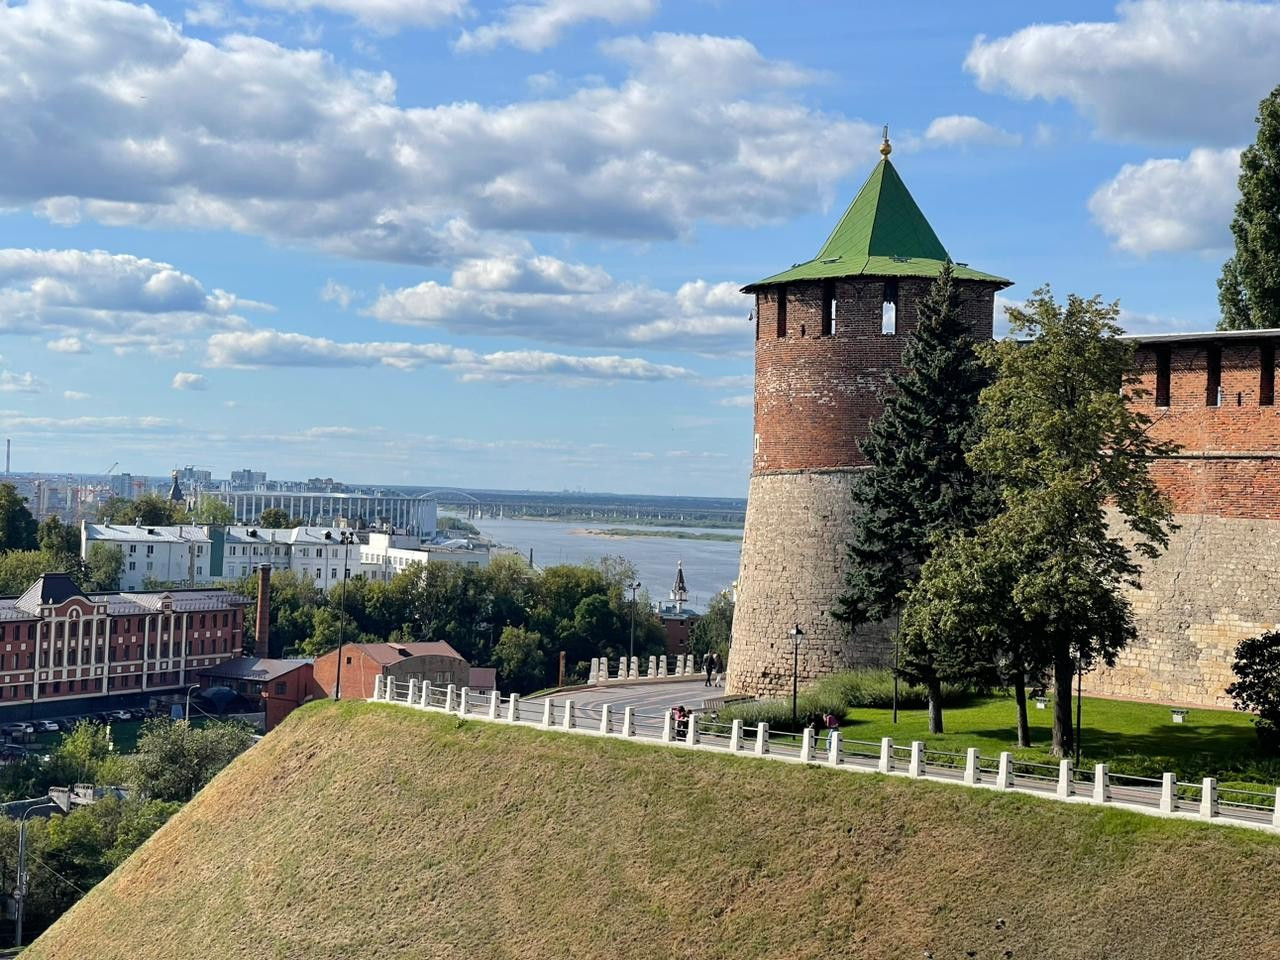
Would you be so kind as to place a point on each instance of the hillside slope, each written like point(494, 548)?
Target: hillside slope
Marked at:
point(371, 831)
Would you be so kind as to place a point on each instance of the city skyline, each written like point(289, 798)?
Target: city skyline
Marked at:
point(499, 246)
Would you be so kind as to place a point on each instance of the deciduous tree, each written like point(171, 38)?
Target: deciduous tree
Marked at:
point(17, 525)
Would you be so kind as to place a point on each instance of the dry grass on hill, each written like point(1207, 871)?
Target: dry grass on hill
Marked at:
point(370, 831)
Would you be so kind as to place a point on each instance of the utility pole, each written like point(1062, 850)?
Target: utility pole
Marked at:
point(345, 539)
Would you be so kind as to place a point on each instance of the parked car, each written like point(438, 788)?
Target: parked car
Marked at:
point(67, 724)
point(47, 726)
point(14, 729)
point(120, 715)
point(140, 713)
point(28, 726)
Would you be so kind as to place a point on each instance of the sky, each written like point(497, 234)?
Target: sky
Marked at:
point(489, 244)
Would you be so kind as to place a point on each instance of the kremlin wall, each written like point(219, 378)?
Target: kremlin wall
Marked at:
point(830, 334)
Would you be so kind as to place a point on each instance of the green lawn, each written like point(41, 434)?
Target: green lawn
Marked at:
point(1139, 738)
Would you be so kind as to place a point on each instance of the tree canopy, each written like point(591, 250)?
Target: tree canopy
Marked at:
point(1249, 287)
point(17, 525)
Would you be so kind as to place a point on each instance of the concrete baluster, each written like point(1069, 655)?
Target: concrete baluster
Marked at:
point(464, 701)
point(806, 745)
point(1209, 798)
point(1101, 784)
point(1275, 816)
point(762, 739)
point(667, 722)
point(628, 722)
point(886, 755)
point(691, 733)
point(513, 709)
point(450, 695)
point(548, 712)
point(833, 748)
point(1168, 792)
point(1004, 774)
point(972, 773)
point(426, 694)
point(1065, 773)
point(735, 736)
point(594, 675)
point(916, 766)
point(377, 687)
point(653, 667)
point(634, 674)
point(662, 666)
point(495, 701)
point(413, 692)
point(566, 721)
point(604, 718)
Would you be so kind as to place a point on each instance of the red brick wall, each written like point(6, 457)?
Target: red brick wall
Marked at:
point(298, 689)
point(816, 395)
point(1229, 465)
point(357, 675)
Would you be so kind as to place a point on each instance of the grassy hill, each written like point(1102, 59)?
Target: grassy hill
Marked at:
point(371, 831)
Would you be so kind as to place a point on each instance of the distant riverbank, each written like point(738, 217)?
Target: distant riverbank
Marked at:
point(621, 532)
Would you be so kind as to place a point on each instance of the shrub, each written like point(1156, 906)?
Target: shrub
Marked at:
point(1257, 686)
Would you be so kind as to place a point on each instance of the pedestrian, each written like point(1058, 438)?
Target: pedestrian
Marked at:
point(708, 665)
point(832, 723)
point(719, 671)
point(682, 722)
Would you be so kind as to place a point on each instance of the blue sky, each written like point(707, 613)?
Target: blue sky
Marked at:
point(491, 244)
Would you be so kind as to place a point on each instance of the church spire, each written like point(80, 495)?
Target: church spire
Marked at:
point(679, 592)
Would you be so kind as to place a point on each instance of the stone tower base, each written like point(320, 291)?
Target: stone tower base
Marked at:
point(793, 561)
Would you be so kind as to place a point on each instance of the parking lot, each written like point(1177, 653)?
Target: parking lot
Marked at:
point(38, 736)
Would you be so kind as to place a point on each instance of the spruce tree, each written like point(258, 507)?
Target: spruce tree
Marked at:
point(1249, 288)
point(918, 487)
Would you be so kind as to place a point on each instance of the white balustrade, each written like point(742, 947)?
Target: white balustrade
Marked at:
point(916, 767)
point(1004, 773)
point(1209, 798)
point(1065, 774)
point(886, 755)
point(1101, 784)
point(604, 718)
point(972, 772)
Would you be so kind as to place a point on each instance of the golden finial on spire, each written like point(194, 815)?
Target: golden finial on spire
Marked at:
point(885, 148)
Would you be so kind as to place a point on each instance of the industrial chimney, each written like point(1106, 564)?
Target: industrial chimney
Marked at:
point(262, 628)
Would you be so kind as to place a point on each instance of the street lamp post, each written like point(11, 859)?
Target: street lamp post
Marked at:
point(345, 539)
point(796, 636)
point(186, 712)
point(631, 648)
point(20, 891)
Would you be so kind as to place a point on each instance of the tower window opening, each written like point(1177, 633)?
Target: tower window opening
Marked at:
point(1213, 377)
point(1267, 375)
point(782, 312)
point(756, 316)
point(889, 309)
point(1163, 372)
point(828, 307)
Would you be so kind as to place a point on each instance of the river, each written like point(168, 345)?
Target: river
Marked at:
point(709, 565)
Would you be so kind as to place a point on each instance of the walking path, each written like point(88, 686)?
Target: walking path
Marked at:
point(628, 711)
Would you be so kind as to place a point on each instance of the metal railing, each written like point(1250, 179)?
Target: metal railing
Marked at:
point(1206, 800)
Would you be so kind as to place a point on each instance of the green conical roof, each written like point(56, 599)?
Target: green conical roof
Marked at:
point(883, 233)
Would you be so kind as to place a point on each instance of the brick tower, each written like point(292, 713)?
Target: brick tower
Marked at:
point(829, 334)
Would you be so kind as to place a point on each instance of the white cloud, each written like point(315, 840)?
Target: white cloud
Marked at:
point(273, 348)
point(380, 14)
point(189, 381)
point(959, 130)
point(554, 300)
point(74, 395)
point(17, 421)
point(335, 292)
point(11, 382)
point(67, 345)
point(1162, 70)
point(1170, 204)
point(122, 118)
point(738, 400)
point(114, 299)
point(536, 26)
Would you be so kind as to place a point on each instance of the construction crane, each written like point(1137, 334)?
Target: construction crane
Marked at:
point(112, 469)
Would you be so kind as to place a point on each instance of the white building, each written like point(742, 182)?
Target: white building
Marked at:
point(385, 555)
point(203, 555)
point(413, 515)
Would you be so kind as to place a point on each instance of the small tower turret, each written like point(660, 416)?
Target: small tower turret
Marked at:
point(679, 593)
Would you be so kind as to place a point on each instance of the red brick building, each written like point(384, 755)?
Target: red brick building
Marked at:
point(280, 686)
point(435, 662)
point(63, 651)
